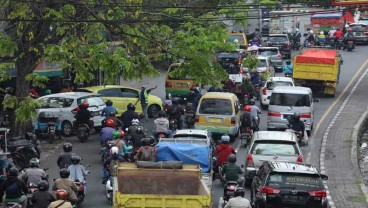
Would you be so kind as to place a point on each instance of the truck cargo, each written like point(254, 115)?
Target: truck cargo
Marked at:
point(146, 184)
point(318, 69)
point(326, 21)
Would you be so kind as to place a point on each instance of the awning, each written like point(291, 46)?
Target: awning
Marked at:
point(48, 69)
point(349, 18)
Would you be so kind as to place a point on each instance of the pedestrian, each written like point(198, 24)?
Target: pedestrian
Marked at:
point(143, 98)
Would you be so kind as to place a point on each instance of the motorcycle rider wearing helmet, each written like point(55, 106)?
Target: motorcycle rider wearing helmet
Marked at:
point(296, 124)
point(247, 119)
point(310, 38)
point(167, 102)
point(14, 188)
point(255, 111)
point(161, 125)
point(321, 37)
point(42, 197)
point(231, 171)
point(65, 158)
point(349, 36)
point(67, 184)
point(238, 201)
point(77, 171)
point(288, 68)
point(106, 132)
point(83, 116)
point(175, 112)
point(34, 175)
point(135, 134)
point(109, 166)
point(62, 200)
point(108, 109)
point(112, 116)
point(223, 151)
point(127, 116)
point(146, 152)
point(194, 96)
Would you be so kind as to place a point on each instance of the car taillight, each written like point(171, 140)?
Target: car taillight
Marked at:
point(168, 84)
point(233, 119)
point(250, 162)
point(321, 193)
point(269, 190)
point(196, 119)
point(75, 110)
point(305, 115)
point(279, 57)
point(299, 159)
point(264, 91)
point(274, 113)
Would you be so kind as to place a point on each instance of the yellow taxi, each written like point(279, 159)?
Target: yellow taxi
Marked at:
point(177, 87)
point(241, 37)
point(219, 112)
point(121, 96)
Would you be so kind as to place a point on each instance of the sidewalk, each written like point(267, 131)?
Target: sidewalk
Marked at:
point(345, 181)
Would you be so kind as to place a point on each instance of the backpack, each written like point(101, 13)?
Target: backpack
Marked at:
point(147, 154)
point(12, 188)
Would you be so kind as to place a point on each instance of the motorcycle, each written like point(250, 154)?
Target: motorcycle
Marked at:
point(296, 44)
point(83, 132)
point(81, 192)
point(48, 127)
point(229, 190)
point(173, 124)
point(246, 134)
point(189, 115)
point(31, 189)
point(109, 190)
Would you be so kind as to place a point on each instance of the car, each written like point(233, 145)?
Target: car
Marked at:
point(230, 61)
point(65, 106)
point(241, 37)
point(273, 146)
point(282, 42)
point(272, 82)
point(288, 184)
point(275, 56)
point(121, 96)
point(360, 32)
point(264, 65)
point(188, 135)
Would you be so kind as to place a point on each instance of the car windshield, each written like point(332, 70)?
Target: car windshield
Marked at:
point(295, 181)
point(274, 148)
point(170, 77)
point(215, 106)
point(268, 52)
point(359, 28)
point(271, 85)
point(190, 136)
point(231, 39)
point(277, 39)
point(92, 101)
point(262, 63)
point(286, 99)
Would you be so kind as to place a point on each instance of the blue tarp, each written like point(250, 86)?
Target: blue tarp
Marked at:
point(187, 153)
point(327, 16)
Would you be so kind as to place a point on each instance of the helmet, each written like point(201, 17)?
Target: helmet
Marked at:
point(110, 123)
point(43, 186)
point(108, 103)
point(13, 172)
point(61, 194)
point(161, 114)
point(34, 162)
point(67, 147)
point(350, 30)
point(252, 102)
point(321, 33)
point(130, 106)
point(297, 29)
point(232, 158)
point(116, 134)
point(146, 141)
point(47, 92)
point(225, 138)
point(239, 191)
point(152, 139)
point(236, 41)
point(9, 90)
point(175, 101)
point(135, 121)
point(42, 115)
point(29, 136)
point(64, 173)
point(84, 104)
point(195, 89)
point(114, 150)
point(247, 108)
point(169, 96)
point(296, 115)
point(75, 159)
point(122, 133)
point(139, 129)
point(311, 31)
point(288, 62)
point(110, 144)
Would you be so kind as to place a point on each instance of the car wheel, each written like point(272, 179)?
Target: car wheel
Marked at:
point(67, 128)
point(153, 111)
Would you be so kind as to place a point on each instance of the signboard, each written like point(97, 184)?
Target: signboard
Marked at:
point(349, 2)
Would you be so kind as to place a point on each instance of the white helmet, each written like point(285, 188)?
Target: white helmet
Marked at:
point(311, 31)
point(236, 41)
point(297, 29)
point(225, 138)
point(135, 122)
point(114, 150)
point(321, 33)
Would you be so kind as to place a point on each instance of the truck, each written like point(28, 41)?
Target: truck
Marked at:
point(160, 184)
point(318, 69)
point(326, 22)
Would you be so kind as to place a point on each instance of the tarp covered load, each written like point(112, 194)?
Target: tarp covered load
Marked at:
point(187, 153)
point(317, 57)
point(331, 19)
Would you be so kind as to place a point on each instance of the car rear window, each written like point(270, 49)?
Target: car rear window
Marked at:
point(286, 99)
point(274, 147)
point(278, 39)
point(233, 37)
point(268, 52)
point(295, 181)
point(262, 63)
point(55, 102)
point(216, 106)
point(271, 85)
point(92, 100)
point(170, 77)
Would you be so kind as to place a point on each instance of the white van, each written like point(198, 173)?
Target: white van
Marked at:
point(285, 100)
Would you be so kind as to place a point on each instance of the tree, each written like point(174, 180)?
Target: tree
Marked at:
point(78, 35)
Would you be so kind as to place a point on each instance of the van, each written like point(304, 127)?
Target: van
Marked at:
point(284, 101)
point(177, 87)
point(218, 112)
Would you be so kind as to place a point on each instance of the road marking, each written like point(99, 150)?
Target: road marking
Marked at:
point(315, 130)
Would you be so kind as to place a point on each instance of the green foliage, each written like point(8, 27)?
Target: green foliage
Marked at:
point(26, 109)
point(10, 102)
point(37, 80)
point(251, 62)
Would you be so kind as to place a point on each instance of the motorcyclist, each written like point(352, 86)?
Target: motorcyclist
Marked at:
point(196, 97)
point(349, 36)
point(14, 188)
point(146, 152)
point(321, 37)
point(290, 35)
point(167, 102)
point(77, 171)
point(296, 124)
point(256, 34)
point(42, 198)
point(34, 175)
point(288, 68)
point(253, 120)
point(246, 118)
point(109, 166)
point(112, 116)
point(223, 151)
point(83, 115)
point(175, 112)
point(245, 88)
point(135, 133)
point(67, 184)
point(118, 137)
point(297, 35)
point(255, 78)
point(128, 116)
point(238, 201)
point(106, 132)
point(231, 171)
point(62, 200)
point(310, 38)
point(255, 41)
point(108, 109)
point(65, 158)
point(161, 125)
point(254, 110)
point(338, 34)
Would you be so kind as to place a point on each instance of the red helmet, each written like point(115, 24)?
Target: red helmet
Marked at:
point(110, 123)
point(84, 105)
point(61, 194)
point(247, 108)
point(122, 134)
point(350, 30)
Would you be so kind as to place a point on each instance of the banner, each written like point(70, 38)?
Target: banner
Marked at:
point(349, 2)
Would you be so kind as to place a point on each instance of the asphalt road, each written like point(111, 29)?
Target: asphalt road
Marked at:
point(89, 150)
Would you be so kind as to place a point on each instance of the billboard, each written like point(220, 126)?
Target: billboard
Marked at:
point(349, 2)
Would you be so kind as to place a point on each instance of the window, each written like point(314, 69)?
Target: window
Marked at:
point(271, 85)
point(113, 92)
point(262, 63)
point(277, 39)
point(216, 106)
point(274, 147)
point(92, 100)
point(284, 99)
point(268, 52)
point(129, 93)
point(296, 181)
point(233, 37)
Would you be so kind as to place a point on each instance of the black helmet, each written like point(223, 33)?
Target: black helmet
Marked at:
point(13, 172)
point(296, 116)
point(175, 101)
point(29, 136)
point(75, 159)
point(161, 114)
point(130, 106)
point(34, 162)
point(43, 186)
point(64, 173)
point(252, 102)
point(239, 192)
point(288, 62)
point(108, 103)
point(152, 139)
point(232, 158)
point(67, 147)
point(146, 141)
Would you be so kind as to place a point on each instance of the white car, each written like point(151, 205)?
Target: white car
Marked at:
point(65, 106)
point(264, 65)
point(272, 82)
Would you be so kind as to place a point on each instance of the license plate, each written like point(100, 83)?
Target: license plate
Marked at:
point(215, 120)
point(294, 198)
point(230, 193)
point(181, 85)
point(96, 113)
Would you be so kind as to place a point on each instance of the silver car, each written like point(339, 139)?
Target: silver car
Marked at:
point(271, 146)
point(275, 56)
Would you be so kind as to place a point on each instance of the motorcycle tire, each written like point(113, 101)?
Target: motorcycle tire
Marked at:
point(18, 161)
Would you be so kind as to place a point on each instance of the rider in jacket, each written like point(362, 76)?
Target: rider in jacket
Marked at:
point(42, 198)
point(161, 125)
point(238, 201)
point(34, 174)
point(62, 200)
point(65, 158)
point(77, 170)
point(296, 124)
point(223, 151)
point(83, 115)
point(106, 132)
point(108, 109)
point(128, 116)
point(14, 188)
point(175, 112)
point(67, 184)
point(231, 171)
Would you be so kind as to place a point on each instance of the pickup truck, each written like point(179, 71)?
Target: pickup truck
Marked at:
point(150, 184)
point(318, 69)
